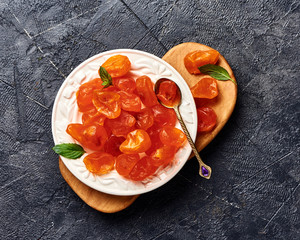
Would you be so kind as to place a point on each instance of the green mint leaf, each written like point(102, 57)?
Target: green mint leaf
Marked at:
point(216, 72)
point(105, 77)
point(69, 150)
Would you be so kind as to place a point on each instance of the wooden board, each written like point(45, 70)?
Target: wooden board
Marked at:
point(223, 106)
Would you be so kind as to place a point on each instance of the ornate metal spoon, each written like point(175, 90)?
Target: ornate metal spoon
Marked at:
point(204, 170)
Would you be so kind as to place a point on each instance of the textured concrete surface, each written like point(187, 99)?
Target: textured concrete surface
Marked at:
point(254, 192)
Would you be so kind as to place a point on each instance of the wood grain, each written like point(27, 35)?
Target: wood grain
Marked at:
point(223, 106)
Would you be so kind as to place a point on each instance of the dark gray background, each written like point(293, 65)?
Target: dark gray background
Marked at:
point(254, 192)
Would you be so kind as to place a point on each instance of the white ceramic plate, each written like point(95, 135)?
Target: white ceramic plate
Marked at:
point(65, 111)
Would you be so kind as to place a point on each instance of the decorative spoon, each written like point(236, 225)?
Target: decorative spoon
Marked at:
point(204, 170)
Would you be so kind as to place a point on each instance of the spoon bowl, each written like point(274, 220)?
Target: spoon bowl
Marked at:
point(170, 97)
point(175, 100)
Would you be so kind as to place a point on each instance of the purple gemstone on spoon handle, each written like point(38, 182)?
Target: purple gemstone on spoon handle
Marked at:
point(205, 171)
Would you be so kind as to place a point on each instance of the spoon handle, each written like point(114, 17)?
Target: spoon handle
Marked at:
point(204, 170)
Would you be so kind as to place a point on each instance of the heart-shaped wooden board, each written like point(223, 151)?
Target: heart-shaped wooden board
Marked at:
point(223, 105)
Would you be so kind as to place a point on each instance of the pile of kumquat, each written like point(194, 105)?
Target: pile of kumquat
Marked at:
point(123, 123)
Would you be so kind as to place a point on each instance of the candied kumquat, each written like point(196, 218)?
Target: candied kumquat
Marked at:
point(85, 92)
point(207, 119)
point(142, 169)
point(117, 66)
point(92, 116)
point(196, 59)
point(99, 162)
point(137, 141)
point(205, 88)
point(144, 119)
point(125, 163)
point(144, 87)
point(155, 140)
point(164, 116)
point(168, 93)
point(121, 125)
point(130, 101)
point(163, 155)
point(126, 84)
point(113, 144)
point(92, 136)
point(172, 136)
point(107, 103)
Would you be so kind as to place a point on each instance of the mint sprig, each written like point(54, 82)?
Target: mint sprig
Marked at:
point(105, 77)
point(216, 72)
point(69, 150)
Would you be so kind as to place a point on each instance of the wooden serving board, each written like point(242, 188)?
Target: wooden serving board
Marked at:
point(223, 105)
